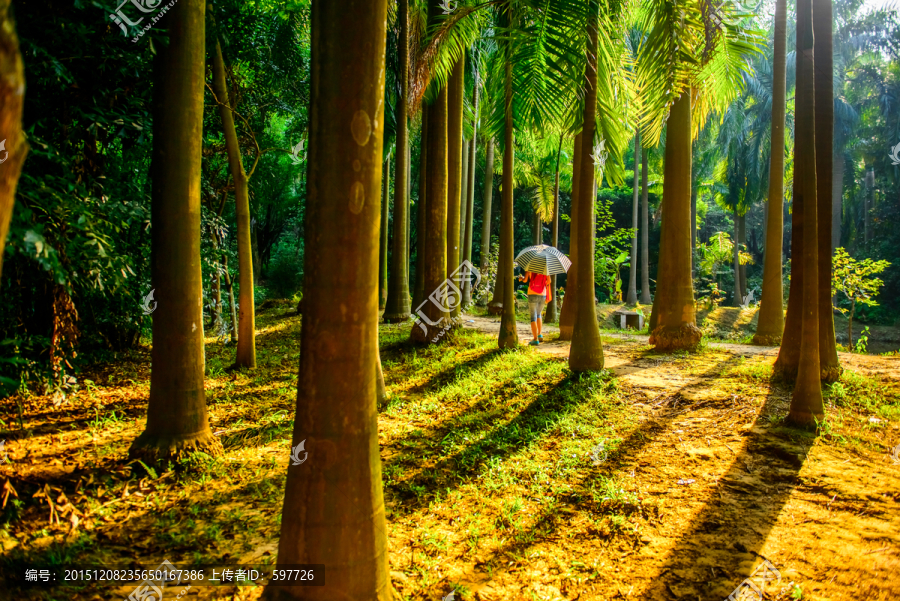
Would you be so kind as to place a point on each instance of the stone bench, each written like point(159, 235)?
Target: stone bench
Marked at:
point(629, 319)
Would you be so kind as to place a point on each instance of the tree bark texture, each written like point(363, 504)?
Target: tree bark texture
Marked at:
point(631, 297)
point(570, 301)
point(645, 233)
point(455, 96)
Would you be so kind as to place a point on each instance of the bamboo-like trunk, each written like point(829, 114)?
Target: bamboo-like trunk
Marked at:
point(770, 325)
point(693, 224)
point(12, 100)
point(869, 202)
point(333, 511)
point(586, 351)
point(829, 364)
point(470, 209)
point(673, 324)
point(631, 296)
point(737, 264)
point(487, 196)
point(742, 234)
point(456, 89)
point(383, 235)
point(230, 285)
point(397, 307)
point(177, 420)
point(246, 347)
point(463, 201)
point(645, 233)
point(837, 198)
point(806, 401)
point(570, 301)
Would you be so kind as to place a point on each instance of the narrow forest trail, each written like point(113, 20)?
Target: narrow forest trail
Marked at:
point(731, 485)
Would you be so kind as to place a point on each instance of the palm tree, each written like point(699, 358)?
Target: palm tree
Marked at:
point(177, 420)
point(771, 307)
point(470, 194)
point(645, 233)
point(551, 315)
point(586, 351)
point(824, 124)
point(333, 504)
point(631, 297)
point(421, 211)
point(509, 337)
point(383, 235)
point(246, 346)
point(806, 402)
point(567, 313)
point(397, 307)
point(12, 99)
point(455, 100)
point(485, 251)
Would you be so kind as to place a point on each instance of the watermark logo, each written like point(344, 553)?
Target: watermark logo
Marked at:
point(449, 597)
point(895, 455)
point(894, 154)
point(451, 292)
point(151, 589)
point(599, 454)
point(145, 7)
point(448, 6)
point(295, 153)
point(146, 306)
point(3, 457)
point(755, 585)
point(295, 453)
point(3, 148)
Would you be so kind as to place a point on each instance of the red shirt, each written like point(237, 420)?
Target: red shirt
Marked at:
point(539, 284)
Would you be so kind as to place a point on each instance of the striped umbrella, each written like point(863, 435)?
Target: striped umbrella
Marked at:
point(543, 259)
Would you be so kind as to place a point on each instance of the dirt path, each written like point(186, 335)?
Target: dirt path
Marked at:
point(733, 485)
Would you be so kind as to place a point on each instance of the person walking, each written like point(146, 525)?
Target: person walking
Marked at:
point(539, 293)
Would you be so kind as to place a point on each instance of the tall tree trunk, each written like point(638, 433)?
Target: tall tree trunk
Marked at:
point(538, 228)
point(645, 233)
point(771, 307)
point(837, 197)
point(824, 125)
point(806, 402)
point(693, 224)
point(12, 99)
point(586, 351)
point(551, 315)
point(246, 348)
point(509, 336)
point(383, 236)
point(470, 206)
point(230, 285)
point(333, 509)
point(421, 211)
point(463, 200)
point(869, 202)
point(177, 422)
point(570, 302)
point(397, 306)
point(742, 235)
point(435, 241)
point(673, 307)
point(456, 90)
point(737, 263)
point(631, 297)
point(485, 250)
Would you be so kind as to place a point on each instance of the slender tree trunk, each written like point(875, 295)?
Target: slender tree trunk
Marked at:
point(383, 236)
point(586, 351)
point(645, 233)
point(435, 241)
point(509, 336)
point(230, 285)
point(397, 307)
point(380, 388)
point(771, 306)
point(837, 198)
point(333, 510)
point(869, 201)
point(463, 200)
point(631, 298)
point(675, 326)
point(421, 212)
point(485, 250)
point(806, 402)
point(12, 99)
point(693, 224)
point(737, 262)
point(246, 348)
point(570, 302)
point(824, 125)
point(551, 315)
point(177, 422)
point(538, 238)
point(470, 207)
point(216, 322)
point(456, 89)
point(742, 238)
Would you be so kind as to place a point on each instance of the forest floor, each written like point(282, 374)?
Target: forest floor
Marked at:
point(505, 476)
